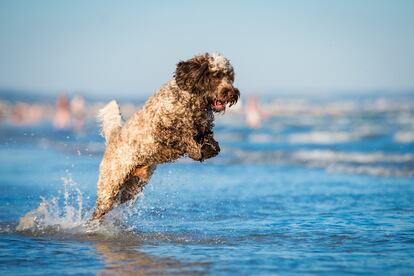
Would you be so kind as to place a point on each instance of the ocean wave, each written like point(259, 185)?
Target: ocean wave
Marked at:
point(370, 163)
point(356, 157)
point(371, 170)
point(404, 137)
point(375, 163)
point(321, 137)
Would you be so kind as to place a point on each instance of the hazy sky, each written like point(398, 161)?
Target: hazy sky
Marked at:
point(131, 47)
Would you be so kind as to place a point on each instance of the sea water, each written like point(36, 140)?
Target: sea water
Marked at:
point(301, 194)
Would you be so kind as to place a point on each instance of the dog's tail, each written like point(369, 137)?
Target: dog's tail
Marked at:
point(109, 118)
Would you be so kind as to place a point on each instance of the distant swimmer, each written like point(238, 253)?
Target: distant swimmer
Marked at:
point(62, 115)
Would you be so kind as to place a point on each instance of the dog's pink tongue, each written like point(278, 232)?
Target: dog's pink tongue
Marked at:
point(218, 105)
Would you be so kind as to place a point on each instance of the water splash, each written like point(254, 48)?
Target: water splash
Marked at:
point(65, 214)
point(51, 216)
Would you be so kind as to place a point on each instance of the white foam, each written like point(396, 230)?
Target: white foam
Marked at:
point(50, 215)
point(371, 170)
point(357, 157)
point(404, 137)
point(65, 214)
point(320, 137)
point(373, 163)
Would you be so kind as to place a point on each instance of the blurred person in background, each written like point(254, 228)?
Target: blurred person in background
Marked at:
point(253, 115)
point(77, 110)
point(62, 115)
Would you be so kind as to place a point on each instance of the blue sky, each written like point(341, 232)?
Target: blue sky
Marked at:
point(131, 47)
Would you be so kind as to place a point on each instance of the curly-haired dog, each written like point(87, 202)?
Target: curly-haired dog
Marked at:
point(176, 121)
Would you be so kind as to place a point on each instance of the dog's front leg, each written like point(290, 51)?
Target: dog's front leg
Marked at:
point(194, 150)
point(209, 147)
point(205, 148)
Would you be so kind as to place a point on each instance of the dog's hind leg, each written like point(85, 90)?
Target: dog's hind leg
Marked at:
point(134, 184)
point(127, 192)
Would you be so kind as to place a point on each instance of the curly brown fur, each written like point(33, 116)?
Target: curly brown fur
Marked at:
point(176, 121)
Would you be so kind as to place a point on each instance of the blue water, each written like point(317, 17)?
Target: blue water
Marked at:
point(270, 203)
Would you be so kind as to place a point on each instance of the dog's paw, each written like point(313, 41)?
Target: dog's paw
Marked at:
point(209, 149)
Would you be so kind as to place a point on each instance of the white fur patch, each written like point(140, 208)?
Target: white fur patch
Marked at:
point(219, 63)
point(109, 119)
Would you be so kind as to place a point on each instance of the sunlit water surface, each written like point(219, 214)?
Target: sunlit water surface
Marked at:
point(286, 198)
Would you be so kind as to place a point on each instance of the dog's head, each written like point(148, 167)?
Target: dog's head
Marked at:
point(211, 76)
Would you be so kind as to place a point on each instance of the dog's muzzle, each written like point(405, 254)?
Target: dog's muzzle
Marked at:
point(228, 95)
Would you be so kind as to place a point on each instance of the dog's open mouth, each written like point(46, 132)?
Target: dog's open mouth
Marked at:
point(218, 106)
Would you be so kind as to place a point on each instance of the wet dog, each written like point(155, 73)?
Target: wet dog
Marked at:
point(176, 121)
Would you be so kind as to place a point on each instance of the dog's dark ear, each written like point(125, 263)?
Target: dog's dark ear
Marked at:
point(191, 75)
